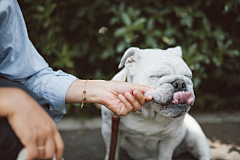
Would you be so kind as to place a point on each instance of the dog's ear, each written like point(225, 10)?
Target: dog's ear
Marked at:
point(130, 58)
point(176, 50)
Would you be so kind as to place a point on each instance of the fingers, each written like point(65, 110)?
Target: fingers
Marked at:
point(143, 90)
point(54, 144)
point(31, 151)
point(127, 108)
point(124, 97)
point(148, 98)
point(132, 102)
point(59, 145)
point(135, 104)
point(42, 140)
point(41, 144)
point(46, 149)
point(49, 149)
point(139, 97)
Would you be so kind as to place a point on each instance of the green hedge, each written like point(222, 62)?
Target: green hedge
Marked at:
point(88, 38)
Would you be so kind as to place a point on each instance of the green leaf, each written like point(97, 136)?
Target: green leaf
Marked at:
point(192, 49)
point(233, 53)
point(38, 16)
point(150, 24)
point(220, 45)
point(47, 23)
point(206, 24)
point(227, 44)
point(196, 81)
point(81, 12)
point(107, 53)
point(65, 49)
point(169, 40)
point(198, 13)
point(121, 7)
point(206, 60)
point(51, 9)
point(121, 46)
point(219, 34)
point(40, 8)
point(187, 21)
point(197, 66)
point(120, 31)
point(226, 8)
point(138, 24)
point(169, 31)
point(128, 37)
point(157, 33)
point(217, 60)
point(133, 13)
point(69, 64)
point(151, 42)
point(126, 19)
point(113, 20)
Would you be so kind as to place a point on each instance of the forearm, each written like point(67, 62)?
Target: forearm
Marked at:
point(94, 89)
point(9, 96)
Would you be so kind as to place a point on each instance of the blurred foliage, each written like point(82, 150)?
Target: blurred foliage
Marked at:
point(88, 38)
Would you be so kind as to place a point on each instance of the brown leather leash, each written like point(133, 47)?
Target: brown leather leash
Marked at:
point(114, 136)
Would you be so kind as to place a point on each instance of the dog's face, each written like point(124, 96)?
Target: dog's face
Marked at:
point(166, 70)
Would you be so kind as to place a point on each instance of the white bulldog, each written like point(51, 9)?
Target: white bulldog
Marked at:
point(162, 128)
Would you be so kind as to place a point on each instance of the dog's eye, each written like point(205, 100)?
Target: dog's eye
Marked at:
point(188, 76)
point(156, 78)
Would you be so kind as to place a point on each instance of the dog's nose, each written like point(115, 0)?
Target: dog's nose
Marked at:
point(179, 85)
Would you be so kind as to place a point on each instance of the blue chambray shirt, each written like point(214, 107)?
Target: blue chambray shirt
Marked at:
point(20, 62)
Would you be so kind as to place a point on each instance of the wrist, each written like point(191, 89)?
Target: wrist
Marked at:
point(93, 88)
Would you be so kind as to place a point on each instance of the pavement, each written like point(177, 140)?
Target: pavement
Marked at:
point(83, 140)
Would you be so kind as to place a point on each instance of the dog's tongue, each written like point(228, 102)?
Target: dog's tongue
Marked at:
point(183, 97)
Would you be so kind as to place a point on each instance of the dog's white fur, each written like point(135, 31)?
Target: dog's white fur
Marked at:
point(152, 133)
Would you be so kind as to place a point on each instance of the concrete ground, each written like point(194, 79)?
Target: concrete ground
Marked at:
point(83, 140)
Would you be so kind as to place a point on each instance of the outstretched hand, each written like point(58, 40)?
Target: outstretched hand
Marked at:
point(123, 97)
point(120, 97)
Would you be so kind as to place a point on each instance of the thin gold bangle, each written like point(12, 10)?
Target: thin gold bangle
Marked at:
point(84, 99)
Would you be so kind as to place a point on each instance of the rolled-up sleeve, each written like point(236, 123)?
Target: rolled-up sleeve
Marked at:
point(20, 61)
point(52, 86)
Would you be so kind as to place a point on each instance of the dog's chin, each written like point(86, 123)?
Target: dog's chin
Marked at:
point(172, 110)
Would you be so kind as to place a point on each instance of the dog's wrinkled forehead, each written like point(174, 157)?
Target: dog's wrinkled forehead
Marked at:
point(157, 57)
point(155, 62)
point(135, 54)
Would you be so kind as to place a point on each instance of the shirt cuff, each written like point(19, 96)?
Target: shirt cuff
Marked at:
point(55, 92)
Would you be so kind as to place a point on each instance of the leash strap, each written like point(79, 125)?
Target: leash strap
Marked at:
point(113, 145)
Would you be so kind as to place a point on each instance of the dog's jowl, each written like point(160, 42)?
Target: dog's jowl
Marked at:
point(162, 128)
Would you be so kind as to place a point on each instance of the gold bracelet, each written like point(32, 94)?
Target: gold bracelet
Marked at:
point(84, 99)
